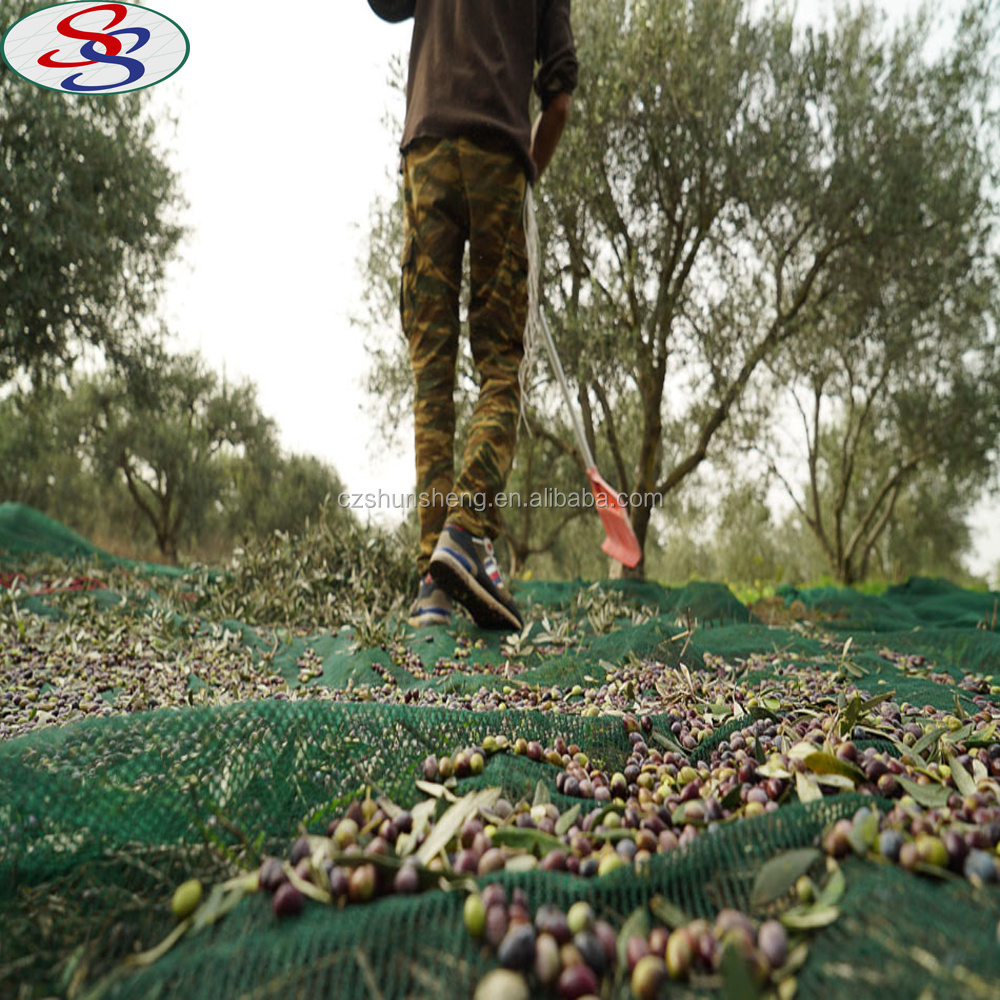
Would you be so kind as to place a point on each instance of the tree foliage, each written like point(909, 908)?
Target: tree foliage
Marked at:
point(898, 379)
point(164, 456)
point(88, 220)
point(167, 434)
point(733, 196)
point(725, 181)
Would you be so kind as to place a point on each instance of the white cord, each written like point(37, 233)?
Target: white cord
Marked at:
point(533, 325)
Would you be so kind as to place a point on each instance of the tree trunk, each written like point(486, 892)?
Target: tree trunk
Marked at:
point(639, 517)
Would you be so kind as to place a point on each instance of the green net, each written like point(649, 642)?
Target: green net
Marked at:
point(101, 818)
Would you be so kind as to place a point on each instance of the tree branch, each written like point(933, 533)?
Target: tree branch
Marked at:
point(889, 484)
point(877, 529)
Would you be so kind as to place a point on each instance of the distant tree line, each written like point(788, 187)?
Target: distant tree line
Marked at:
point(164, 459)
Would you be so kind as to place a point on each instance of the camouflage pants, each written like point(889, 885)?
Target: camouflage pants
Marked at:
point(456, 192)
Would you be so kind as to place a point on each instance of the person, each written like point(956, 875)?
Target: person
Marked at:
point(469, 150)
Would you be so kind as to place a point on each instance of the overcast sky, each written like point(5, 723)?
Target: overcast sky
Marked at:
point(281, 150)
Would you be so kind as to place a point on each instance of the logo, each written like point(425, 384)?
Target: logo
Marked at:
point(95, 48)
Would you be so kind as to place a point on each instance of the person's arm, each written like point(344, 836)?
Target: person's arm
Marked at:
point(548, 129)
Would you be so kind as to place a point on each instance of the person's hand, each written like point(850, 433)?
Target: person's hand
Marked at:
point(548, 129)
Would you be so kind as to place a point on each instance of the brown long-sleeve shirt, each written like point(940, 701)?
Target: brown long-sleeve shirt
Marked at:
point(472, 68)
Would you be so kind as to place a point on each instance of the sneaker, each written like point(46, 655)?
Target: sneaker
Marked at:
point(432, 605)
point(467, 569)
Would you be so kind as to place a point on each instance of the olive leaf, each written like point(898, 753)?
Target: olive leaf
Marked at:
point(851, 715)
point(542, 796)
point(963, 780)
point(863, 834)
point(806, 788)
point(778, 875)
point(636, 925)
point(833, 890)
point(929, 796)
point(453, 821)
point(837, 781)
point(436, 791)
point(827, 763)
point(306, 887)
point(758, 712)
point(527, 838)
point(611, 836)
point(877, 700)
point(668, 913)
point(962, 734)
point(926, 741)
point(796, 959)
point(809, 918)
point(984, 737)
point(731, 799)
point(669, 744)
point(738, 983)
point(388, 806)
point(222, 899)
point(566, 820)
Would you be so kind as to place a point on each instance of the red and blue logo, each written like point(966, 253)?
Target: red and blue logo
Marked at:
point(102, 48)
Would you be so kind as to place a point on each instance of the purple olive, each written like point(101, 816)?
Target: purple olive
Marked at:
point(577, 981)
point(287, 901)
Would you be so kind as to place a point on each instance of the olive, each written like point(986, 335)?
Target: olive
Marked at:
point(339, 882)
point(474, 915)
point(466, 862)
point(407, 880)
point(889, 842)
point(547, 962)
point(772, 939)
point(580, 917)
point(271, 875)
point(361, 884)
point(494, 894)
point(658, 938)
point(980, 865)
point(502, 984)
point(577, 981)
point(648, 976)
point(609, 941)
point(287, 901)
point(186, 898)
point(491, 861)
point(549, 919)
point(497, 923)
point(517, 949)
point(680, 954)
point(635, 948)
point(345, 834)
point(588, 944)
point(300, 850)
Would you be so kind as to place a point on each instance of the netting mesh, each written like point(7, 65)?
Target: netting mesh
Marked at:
point(101, 819)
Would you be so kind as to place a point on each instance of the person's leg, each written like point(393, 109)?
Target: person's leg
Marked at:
point(463, 561)
point(436, 229)
point(495, 188)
